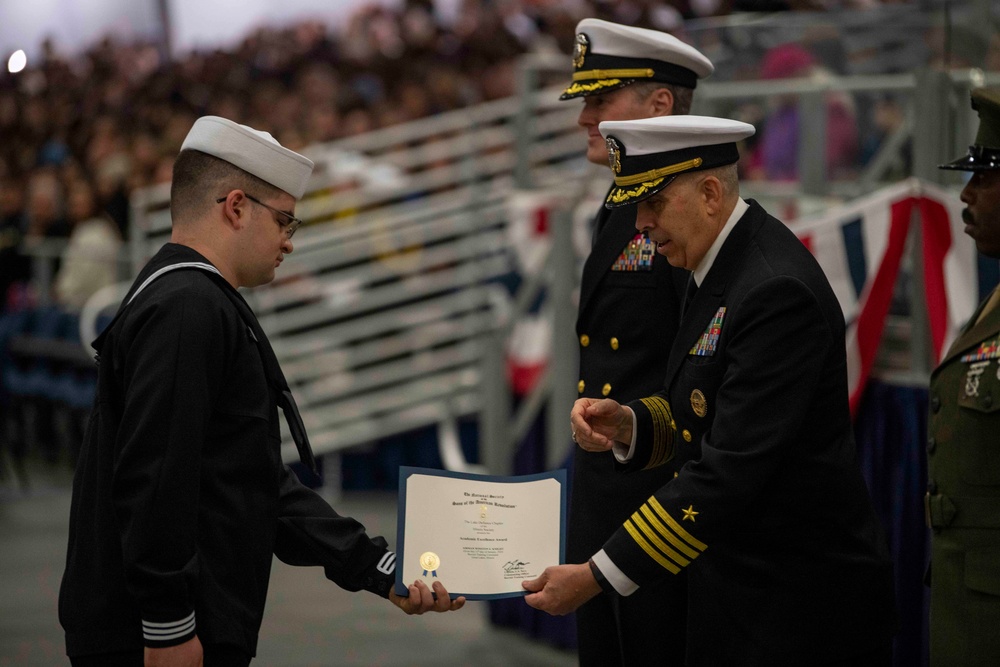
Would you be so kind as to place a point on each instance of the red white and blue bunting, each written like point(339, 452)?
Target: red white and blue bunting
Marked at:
point(861, 247)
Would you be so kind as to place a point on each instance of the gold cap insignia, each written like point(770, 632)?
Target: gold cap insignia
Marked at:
point(614, 155)
point(698, 403)
point(580, 50)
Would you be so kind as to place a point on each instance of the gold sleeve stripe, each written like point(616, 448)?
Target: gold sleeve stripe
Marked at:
point(667, 535)
point(674, 526)
point(663, 430)
point(648, 548)
point(587, 75)
point(658, 542)
point(657, 418)
point(656, 415)
point(653, 174)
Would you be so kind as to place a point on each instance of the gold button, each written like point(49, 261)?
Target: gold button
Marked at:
point(584, 340)
point(614, 343)
point(606, 389)
point(676, 474)
point(579, 386)
point(687, 435)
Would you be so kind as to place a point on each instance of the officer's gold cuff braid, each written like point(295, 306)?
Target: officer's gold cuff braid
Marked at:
point(662, 538)
point(664, 428)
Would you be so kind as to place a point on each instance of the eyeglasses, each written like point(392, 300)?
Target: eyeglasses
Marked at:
point(289, 226)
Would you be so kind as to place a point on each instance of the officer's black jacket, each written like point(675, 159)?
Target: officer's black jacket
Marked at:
point(770, 517)
point(625, 325)
point(180, 497)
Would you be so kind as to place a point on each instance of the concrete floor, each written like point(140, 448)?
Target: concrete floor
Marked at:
point(309, 621)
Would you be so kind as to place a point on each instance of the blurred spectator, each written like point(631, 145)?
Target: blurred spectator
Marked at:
point(15, 268)
point(45, 206)
point(887, 117)
point(777, 151)
point(90, 261)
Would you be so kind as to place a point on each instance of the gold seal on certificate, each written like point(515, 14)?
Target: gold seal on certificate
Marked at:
point(430, 562)
point(493, 532)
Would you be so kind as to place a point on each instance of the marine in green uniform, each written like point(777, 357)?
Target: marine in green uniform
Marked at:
point(963, 445)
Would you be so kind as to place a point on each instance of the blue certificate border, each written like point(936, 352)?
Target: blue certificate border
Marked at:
point(404, 474)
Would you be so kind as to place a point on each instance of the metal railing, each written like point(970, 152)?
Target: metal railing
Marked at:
point(392, 312)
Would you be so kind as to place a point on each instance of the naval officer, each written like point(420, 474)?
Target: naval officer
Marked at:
point(629, 309)
point(769, 516)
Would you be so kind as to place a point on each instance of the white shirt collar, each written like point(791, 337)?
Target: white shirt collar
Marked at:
point(708, 260)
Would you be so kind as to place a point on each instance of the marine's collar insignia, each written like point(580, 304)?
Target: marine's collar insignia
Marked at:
point(580, 50)
point(614, 155)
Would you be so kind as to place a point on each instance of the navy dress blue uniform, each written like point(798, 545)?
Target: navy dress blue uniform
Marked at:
point(629, 310)
point(180, 498)
point(770, 518)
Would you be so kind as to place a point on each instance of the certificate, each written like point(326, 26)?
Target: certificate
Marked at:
point(480, 535)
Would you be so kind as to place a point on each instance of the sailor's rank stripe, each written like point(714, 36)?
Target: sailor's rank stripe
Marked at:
point(663, 430)
point(167, 631)
point(662, 537)
point(387, 565)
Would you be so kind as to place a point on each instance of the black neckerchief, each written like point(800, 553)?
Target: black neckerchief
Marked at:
point(272, 369)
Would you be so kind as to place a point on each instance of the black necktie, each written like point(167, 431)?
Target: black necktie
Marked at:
point(689, 292)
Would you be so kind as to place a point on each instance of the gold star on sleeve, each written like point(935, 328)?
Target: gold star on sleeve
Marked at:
point(689, 514)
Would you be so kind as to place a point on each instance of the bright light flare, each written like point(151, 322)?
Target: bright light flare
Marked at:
point(17, 61)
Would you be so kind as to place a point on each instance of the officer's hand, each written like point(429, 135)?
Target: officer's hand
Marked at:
point(598, 424)
point(188, 654)
point(421, 600)
point(561, 589)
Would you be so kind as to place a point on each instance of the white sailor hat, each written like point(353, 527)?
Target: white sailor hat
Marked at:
point(252, 151)
point(647, 155)
point(609, 56)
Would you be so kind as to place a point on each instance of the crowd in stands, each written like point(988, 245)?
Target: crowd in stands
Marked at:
point(81, 132)
point(111, 120)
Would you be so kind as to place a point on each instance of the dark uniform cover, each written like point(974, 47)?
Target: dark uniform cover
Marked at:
point(770, 518)
point(180, 497)
point(629, 309)
point(963, 455)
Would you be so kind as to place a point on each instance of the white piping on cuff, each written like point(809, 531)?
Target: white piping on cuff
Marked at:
point(618, 580)
point(162, 632)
